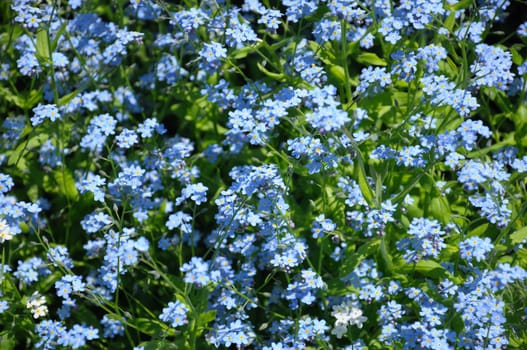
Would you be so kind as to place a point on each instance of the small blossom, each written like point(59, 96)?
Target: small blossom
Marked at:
point(5, 231)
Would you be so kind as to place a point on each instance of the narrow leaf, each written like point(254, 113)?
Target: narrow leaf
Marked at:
point(277, 76)
point(43, 49)
point(66, 183)
point(370, 58)
point(519, 236)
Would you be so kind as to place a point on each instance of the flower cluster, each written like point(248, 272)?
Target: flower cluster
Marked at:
point(346, 315)
point(425, 240)
point(262, 174)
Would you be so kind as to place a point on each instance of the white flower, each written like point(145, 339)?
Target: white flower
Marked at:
point(5, 231)
point(346, 314)
point(356, 317)
point(40, 311)
point(339, 330)
point(36, 304)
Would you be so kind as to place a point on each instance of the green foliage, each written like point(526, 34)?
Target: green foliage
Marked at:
point(157, 72)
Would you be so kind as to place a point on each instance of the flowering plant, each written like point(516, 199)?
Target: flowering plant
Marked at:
point(264, 174)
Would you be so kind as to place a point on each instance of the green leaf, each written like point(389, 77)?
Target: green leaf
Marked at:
point(23, 101)
point(456, 323)
point(276, 45)
point(386, 258)
point(370, 58)
point(508, 141)
point(450, 67)
point(401, 98)
point(10, 97)
point(277, 76)
point(7, 342)
point(520, 117)
point(205, 317)
point(19, 152)
point(367, 249)
point(440, 209)
point(428, 268)
point(516, 57)
point(360, 175)
point(478, 231)
point(522, 256)
point(337, 72)
point(43, 49)
point(460, 5)
point(149, 326)
point(519, 236)
point(507, 259)
point(449, 21)
point(49, 282)
point(61, 31)
point(31, 99)
point(66, 183)
point(64, 100)
point(431, 268)
point(163, 345)
point(244, 51)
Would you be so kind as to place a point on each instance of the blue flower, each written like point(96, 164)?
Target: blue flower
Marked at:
point(297, 9)
point(425, 240)
point(3, 306)
point(95, 221)
point(232, 332)
point(304, 289)
point(29, 16)
point(196, 271)
point(211, 56)
point(179, 220)
point(390, 28)
point(190, 20)
point(92, 183)
point(175, 314)
point(127, 138)
point(59, 256)
point(42, 112)
point(28, 65)
point(492, 68)
point(6, 183)
point(196, 192)
point(271, 19)
point(475, 248)
point(30, 270)
point(322, 226)
point(239, 34)
point(373, 80)
point(326, 30)
point(310, 329)
point(146, 129)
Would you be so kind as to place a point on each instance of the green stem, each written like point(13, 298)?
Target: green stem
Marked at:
point(344, 60)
